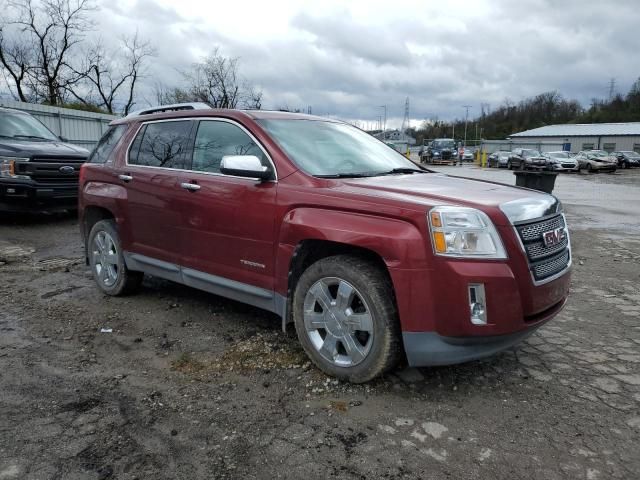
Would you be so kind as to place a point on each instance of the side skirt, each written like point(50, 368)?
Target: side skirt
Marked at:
point(242, 292)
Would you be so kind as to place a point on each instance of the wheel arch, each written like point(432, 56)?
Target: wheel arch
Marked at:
point(91, 215)
point(308, 235)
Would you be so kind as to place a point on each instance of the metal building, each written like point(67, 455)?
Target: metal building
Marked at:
point(611, 137)
point(78, 127)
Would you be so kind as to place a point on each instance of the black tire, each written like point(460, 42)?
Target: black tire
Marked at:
point(509, 166)
point(625, 165)
point(126, 281)
point(374, 286)
point(589, 168)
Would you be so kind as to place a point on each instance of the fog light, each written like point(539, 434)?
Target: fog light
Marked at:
point(477, 304)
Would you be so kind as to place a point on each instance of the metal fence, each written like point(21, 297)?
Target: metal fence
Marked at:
point(490, 146)
point(78, 127)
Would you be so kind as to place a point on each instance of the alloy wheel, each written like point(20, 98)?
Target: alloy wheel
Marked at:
point(338, 322)
point(105, 258)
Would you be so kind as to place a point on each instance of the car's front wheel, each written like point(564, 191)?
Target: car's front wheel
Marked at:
point(346, 318)
point(107, 262)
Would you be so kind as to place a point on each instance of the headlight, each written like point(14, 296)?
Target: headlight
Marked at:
point(464, 232)
point(8, 167)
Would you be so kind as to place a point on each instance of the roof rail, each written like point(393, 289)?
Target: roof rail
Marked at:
point(175, 107)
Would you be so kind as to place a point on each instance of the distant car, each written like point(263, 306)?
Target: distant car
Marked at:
point(498, 159)
point(561, 161)
point(525, 159)
point(596, 161)
point(468, 155)
point(440, 149)
point(627, 159)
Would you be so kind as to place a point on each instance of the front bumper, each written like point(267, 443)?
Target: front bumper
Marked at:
point(557, 167)
point(430, 349)
point(603, 166)
point(29, 196)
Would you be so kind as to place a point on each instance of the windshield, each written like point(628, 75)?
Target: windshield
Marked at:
point(597, 153)
point(531, 153)
point(444, 144)
point(22, 125)
point(631, 154)
point(334, 149)
point(559, 154)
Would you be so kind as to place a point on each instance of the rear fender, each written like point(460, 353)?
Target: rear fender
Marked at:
point(111, 197)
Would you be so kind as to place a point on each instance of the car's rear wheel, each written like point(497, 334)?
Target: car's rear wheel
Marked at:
point(589, 168)
point(509, 165)
point(107, 262)
point(346, 318)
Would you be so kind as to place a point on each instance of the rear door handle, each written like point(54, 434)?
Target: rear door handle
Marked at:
point(125, 178)
point(192, 187)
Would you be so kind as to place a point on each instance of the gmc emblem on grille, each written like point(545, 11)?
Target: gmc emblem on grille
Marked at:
point(554, 237)
point(67, 169)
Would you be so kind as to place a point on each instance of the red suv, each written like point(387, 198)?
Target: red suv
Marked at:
point(373, 258)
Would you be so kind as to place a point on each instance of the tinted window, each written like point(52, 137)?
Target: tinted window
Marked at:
point(107, 143)
point(216, 139)
point(161, 144)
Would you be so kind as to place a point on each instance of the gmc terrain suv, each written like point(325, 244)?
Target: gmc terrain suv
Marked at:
point(38, 171)
point(372, 258)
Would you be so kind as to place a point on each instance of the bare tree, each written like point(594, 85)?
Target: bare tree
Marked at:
point(109, 76)
point(215, 80)
point(15, 58)
point(44, 36)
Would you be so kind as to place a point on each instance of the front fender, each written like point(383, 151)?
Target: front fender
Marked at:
point(399, 243)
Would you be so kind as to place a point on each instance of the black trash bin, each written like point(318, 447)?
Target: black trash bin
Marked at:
point(543, 181)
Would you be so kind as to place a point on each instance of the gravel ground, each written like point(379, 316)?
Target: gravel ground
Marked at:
point(188, 385)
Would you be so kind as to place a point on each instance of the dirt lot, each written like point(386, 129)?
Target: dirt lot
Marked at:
point(191, 386)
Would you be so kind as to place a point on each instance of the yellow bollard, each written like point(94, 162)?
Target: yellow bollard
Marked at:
point(484, 159)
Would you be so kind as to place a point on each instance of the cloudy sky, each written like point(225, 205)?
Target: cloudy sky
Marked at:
point(346, 58)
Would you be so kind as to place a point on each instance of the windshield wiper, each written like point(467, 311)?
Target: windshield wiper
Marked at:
point(345, 175)
point(402, 170)
point(31, 136)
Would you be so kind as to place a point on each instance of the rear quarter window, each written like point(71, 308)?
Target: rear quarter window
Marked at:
point(106, 144)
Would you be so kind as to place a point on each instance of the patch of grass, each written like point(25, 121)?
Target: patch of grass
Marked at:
point(185, 363)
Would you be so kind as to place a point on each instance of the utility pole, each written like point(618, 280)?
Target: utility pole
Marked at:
point(466, 120)
point(384, 126)
point(406, 123)
point(612, 88)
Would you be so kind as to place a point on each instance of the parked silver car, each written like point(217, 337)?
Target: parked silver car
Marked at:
point(498, 159)
point(596, 161)
point(561, 162)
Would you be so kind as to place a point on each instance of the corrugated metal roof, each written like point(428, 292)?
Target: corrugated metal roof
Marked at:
point(583, 130)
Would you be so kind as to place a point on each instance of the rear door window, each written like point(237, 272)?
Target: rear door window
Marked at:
point(107, 143)
point(161, 144)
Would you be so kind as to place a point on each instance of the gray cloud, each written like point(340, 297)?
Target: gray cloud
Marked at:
point(348, 60)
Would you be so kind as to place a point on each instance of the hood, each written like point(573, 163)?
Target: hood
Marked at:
point(27, 148)
point(433, 189)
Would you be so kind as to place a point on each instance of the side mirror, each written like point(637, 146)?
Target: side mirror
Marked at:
point(245, 166)
point(63, 139)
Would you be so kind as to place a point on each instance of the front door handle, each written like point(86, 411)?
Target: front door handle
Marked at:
point(192, 187)
point(125, 178)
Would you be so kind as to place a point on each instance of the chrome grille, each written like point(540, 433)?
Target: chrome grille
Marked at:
point(544, 261)
point(538, 250)
point(550, 267)
point(533, 231)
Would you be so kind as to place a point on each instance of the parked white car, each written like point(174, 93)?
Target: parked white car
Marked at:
point(561, 162)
